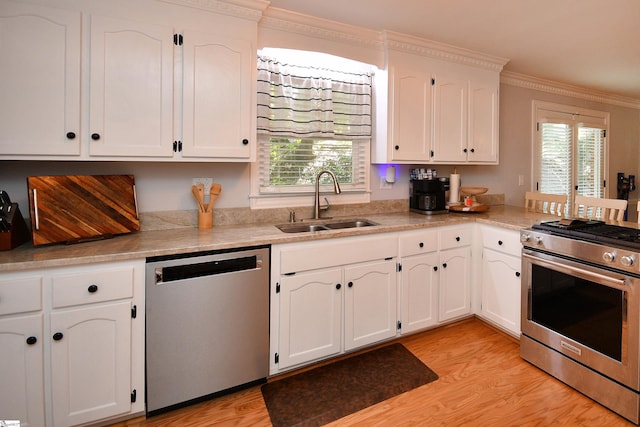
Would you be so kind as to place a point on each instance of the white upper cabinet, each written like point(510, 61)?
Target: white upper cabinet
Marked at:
point(131, 94)
point(439, 108)
point(410, 112)
point(144, 80)
point(40, 84)
point(218, 97)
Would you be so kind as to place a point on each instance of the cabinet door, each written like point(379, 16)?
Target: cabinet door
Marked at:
point(218, 97)
point(91, 363)
point(419, 281)
point(370, 303)
point(411, 115)
point(40, 84)
point(131, 94)
point(21, 370)
point(455, 283)
point(310, 316)
point(483, 121)
point(450, 118)
point(501, 289)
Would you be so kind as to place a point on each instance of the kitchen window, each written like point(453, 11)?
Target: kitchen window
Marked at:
point(314, 113)
point(570, 151)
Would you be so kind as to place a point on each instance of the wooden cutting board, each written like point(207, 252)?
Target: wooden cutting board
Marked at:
point(77, 208)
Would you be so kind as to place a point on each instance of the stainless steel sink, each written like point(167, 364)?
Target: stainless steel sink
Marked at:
point(300, 228)
point(329, 225)
point(356, 223)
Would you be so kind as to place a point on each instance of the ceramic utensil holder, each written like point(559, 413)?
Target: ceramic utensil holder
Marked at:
point(18, 232)
point(205, 219)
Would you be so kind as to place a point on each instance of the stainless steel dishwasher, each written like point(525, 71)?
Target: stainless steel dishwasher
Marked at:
point(207, 325)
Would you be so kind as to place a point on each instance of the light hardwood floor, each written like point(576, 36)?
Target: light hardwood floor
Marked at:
point(483, 382)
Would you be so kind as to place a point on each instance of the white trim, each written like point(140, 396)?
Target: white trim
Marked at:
point(247, 9)
point(442, 51)
point(557, 88)
point(279, 201)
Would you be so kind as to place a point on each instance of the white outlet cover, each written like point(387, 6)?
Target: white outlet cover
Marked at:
point(206, 181)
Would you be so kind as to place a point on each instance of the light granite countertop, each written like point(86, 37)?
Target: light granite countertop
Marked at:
point(145, 244)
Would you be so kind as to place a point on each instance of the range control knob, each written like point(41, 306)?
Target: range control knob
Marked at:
point(627, 260)
point(539, 240)
point(609, 256)
point(524, 237)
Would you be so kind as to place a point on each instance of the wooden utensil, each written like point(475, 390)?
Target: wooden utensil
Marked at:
point(198, 194)
point(214, 192)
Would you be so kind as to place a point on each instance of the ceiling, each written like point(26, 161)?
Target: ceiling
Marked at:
point(590, 43)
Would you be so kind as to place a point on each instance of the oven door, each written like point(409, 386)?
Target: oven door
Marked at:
point(587, 313)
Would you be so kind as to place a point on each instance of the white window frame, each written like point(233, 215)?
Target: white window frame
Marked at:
point(591, 118)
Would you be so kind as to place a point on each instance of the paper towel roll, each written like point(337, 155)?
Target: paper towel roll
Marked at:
point(454, 188)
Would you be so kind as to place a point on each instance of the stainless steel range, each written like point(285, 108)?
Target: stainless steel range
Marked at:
point(580, 308)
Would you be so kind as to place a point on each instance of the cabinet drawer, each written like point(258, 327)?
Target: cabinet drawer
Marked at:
point(299, 257)
point(19, 294)
point(501, 240)
point(455, 237)
point(418, 242)
point(85, 286)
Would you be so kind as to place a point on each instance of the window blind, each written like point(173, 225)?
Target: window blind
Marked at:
point(312, 102)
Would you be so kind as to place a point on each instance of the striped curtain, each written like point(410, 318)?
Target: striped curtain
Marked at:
point(311, 102)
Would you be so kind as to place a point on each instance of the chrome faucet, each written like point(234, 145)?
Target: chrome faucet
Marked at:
point(336, 189)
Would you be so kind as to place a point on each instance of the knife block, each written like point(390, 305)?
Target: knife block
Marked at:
point(18, 232)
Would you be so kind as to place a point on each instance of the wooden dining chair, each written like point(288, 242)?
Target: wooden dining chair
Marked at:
point(605, 209)
point(544, 202)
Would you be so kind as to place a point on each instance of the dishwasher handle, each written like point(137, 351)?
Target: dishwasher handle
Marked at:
point(209, 268)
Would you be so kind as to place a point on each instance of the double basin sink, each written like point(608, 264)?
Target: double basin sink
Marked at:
point(325, 225)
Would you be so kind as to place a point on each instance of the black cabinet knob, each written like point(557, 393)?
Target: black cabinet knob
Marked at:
point(32, 340)
point(95, 136)
point(93, 288)
point(338, 286)
point(57, 336)
point(245, 141)
point(500, 242)
point(473, 150)
point(421, 244)
point(458, 239)
point(435, 268)
point(517, 274)
point(71, 135)
point(350, 284)
point(465, 150)
point(444, 265)
point(397, 147)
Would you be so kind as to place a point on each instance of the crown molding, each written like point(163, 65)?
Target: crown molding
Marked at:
point(247, 9)
point(557, 88)
point(297, 23)
point(443, 51)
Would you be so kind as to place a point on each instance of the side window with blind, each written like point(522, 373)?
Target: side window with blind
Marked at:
point(570, 151)
point(314, 113)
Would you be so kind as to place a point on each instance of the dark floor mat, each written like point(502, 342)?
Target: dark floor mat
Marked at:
point(324, 394)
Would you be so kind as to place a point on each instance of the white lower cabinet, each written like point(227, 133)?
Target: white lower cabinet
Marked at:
point(370, 313)
point(74, 343)
point(435, 276)
point(330, 297)
point(501, 263)
point(21, 370)
point(455, 283)
point(91, 363)
point(311, 316)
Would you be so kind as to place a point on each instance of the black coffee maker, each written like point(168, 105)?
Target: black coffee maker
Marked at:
point(428, 196)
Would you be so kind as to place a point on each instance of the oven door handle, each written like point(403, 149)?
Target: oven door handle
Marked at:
point(579, 272)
